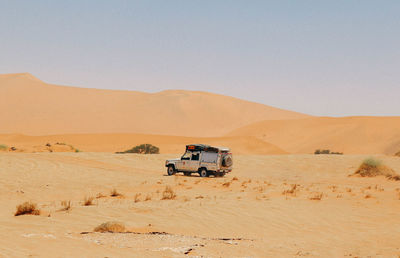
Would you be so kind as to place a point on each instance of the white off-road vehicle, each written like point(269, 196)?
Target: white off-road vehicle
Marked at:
point(203, 159)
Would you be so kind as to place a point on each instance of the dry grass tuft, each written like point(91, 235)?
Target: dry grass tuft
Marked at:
point(88, 200)
point(168, 194)
point(259, 189)
point(115, 193)
point(235, 179)
point(199, 197)
point(148, 198)
point(27, 208)
point(292, 191)
point(137, 197)
point(367, 196)
point(316, 196)
point(226, 184)
point(67, 206)
point(100, 195)
point(111, 227)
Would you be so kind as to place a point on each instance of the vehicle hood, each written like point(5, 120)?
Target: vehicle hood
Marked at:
point(173, 160)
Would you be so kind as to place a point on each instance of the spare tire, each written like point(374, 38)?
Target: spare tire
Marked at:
point(227, 161)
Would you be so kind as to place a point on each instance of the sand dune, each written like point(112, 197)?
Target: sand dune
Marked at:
point(30, 106)
point(121, 142)
point(253, 215)
point(351, 135)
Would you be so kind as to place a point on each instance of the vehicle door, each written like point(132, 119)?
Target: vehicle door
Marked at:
point(184, 163)
point(194, 161)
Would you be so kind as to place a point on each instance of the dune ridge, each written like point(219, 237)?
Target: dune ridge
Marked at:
point(30, 106)
point(351, 135)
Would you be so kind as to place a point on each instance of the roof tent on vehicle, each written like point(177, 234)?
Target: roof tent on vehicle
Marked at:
point(201, 147)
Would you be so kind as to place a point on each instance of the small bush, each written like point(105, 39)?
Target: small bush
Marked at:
point(143, 149)
point(373, 167)
point(87, 201)
point(371, 162)
point(111, 226)
point(168, 194)
point(27, 208)
point(3, 147)
point(318, 151)
point(397, 154)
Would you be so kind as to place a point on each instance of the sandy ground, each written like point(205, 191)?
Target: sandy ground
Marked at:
point(252, 216)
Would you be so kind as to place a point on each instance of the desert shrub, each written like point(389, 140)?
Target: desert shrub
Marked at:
point(27, 208)
point(111, 226)
point(143, 149)
point(372, 167)
point(3, 147)
point(87, 201)
point(168, 194)
point(371, 162)
point(318, 151)
point(397, 154)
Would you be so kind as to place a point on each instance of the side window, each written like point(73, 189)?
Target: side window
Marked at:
point(196, 156)
point(186, 156)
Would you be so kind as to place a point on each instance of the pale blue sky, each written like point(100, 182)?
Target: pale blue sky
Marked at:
point(334, 58)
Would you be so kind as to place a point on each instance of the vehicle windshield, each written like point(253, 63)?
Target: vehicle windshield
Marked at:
point(186, 156)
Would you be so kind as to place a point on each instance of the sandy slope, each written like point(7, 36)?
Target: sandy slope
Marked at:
point(355, 135)
point(253, 208)
point(30, 106)
point(121, 142)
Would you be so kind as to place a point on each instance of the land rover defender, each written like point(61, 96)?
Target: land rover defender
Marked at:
point(202, 159)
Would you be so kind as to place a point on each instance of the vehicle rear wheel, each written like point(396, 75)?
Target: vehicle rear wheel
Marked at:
point(171, 170)
point(203, 172)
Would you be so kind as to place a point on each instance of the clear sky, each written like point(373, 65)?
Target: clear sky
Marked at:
point(334, 58)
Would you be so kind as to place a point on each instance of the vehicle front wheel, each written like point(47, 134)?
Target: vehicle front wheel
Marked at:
point(171, 170)
point(203, 172)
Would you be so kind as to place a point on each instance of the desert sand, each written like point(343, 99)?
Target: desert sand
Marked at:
point(249, 213)
point(57, 147)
